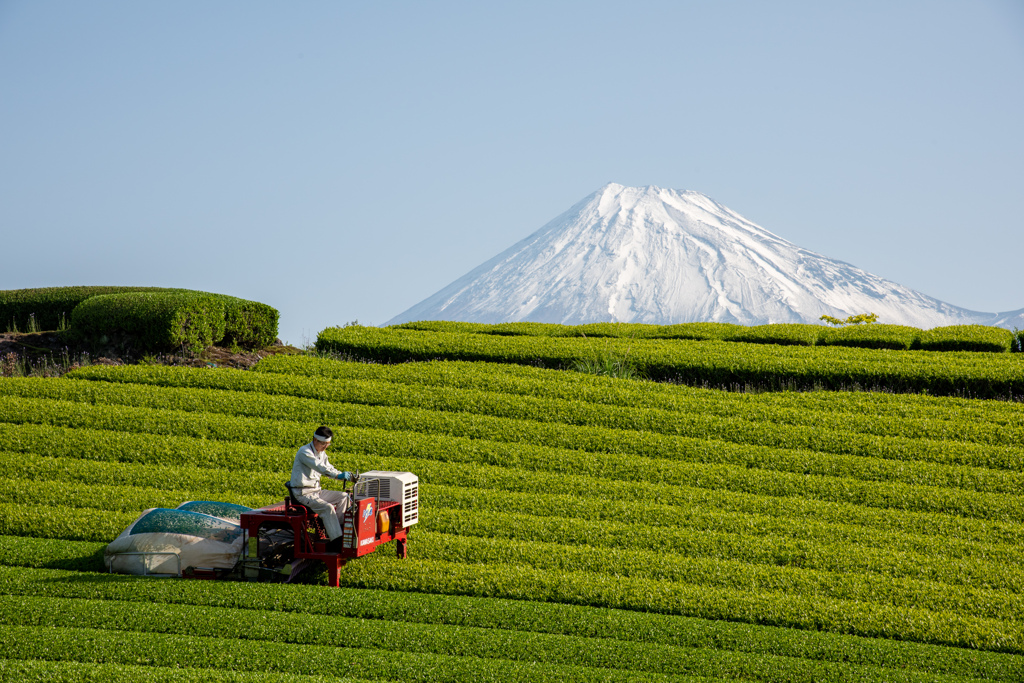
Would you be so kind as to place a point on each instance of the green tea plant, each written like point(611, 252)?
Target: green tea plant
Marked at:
point(967, 338)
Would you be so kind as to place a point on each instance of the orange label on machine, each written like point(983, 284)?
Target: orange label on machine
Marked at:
point(383, 522)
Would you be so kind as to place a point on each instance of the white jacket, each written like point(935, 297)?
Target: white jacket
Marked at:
point(308, 467)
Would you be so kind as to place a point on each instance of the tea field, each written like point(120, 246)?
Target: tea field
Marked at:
point(573, 527)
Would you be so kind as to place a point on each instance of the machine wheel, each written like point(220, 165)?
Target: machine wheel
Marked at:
point(401, 549)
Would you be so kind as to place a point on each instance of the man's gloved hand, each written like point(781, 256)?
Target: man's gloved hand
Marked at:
point(347, 476)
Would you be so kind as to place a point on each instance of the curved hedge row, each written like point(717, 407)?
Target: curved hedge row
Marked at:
point(720, 364)
point(908, 540)
point(712, 589)
point(812, 586)
point(551, 621)
point(913, 545)
point(895, 337)
point(561, 656)
point(872, 336)
point(806, 612)
point(738, 544)
point(75, 672)
point(773, 425)
point(254, 656)
point(568, 657)
point(50, 306)
point(461, 459)
point(673, 460)
point(869, 409)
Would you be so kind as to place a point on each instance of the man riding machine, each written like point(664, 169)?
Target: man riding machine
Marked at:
point(310, 464)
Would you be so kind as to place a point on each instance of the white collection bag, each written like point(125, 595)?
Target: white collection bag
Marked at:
point(165, 541)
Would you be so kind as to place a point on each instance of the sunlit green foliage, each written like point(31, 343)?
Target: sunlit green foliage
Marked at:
point(573, 527)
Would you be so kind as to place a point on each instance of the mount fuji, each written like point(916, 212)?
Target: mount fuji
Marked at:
point(651, 255)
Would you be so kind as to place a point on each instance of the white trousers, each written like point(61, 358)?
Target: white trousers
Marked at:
point(330, 505)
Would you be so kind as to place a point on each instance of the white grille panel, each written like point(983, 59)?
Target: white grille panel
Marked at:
point(411, 505)
point(399, 487)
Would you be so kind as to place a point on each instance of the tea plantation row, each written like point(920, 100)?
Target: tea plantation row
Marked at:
point(670, 460)
point(779, 571)
point(676, 511)
point(871, 336)
point(715, 363)
point(534, 631)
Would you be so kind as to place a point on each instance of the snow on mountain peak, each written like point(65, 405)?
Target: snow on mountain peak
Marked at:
point(653, 255)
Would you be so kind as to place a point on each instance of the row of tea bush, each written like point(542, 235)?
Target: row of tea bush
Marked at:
point(870, 336)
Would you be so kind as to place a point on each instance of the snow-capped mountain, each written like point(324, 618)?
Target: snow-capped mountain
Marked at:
point(650, 255)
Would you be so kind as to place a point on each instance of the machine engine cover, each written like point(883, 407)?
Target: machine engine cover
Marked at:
point(399, 487)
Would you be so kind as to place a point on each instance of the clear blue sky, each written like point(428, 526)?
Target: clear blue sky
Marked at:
point(343, 160)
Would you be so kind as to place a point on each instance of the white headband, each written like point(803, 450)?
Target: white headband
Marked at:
point(321, 439)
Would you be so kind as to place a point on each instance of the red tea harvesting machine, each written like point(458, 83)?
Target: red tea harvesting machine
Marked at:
point(272, 543)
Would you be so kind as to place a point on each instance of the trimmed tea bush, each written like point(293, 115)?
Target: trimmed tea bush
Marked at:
point(789, 335)
point(248, 323)
point(697, 331)
point(49, 304)
point(967, 338)
point(898, 337)
point(150, 321)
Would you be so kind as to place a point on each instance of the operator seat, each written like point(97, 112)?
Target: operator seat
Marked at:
point(292, 506)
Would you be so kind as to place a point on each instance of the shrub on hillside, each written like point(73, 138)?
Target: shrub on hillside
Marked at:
point(248, 323)
point(49, 308)
point(150, 321)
